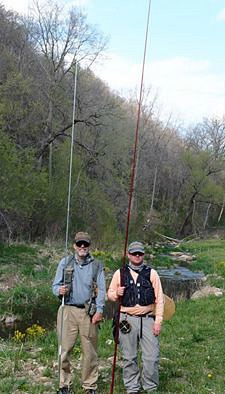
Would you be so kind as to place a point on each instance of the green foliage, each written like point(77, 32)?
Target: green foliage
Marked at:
point(14, 102)
point(90, 205)
point(209, 256)
point(191, 341)
point(36, 100)
point(28, 278)
point(190, 347)
point(16, 252)
point(190, 359)
point(203, 186)
point(110, 262)
point(220, 268)
point(23, 187)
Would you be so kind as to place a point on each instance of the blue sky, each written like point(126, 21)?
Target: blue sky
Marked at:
point(177, 27)
point(185, 63)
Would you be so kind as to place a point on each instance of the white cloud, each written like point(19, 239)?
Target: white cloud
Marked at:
point(186, 88)
point(221, 15)
point(20, 6)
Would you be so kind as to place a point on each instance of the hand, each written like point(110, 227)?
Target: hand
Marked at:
point(120, 291)
point(96, 318)
point(156, 329)
point(63, 290)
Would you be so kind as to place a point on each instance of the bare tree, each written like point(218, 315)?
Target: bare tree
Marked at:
point(61, 38)
point(208, 136)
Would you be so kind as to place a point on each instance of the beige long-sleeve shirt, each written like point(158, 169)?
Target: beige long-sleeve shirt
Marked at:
point(157, 308)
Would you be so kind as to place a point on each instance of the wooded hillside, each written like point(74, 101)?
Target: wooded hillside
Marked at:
point(180, 180)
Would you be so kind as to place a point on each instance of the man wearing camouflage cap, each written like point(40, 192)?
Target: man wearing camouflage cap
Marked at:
point(142, 303)
point(80, 281)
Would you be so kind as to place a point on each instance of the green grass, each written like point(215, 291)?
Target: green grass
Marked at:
point(192, 355)
point(192, 342)
point(210, 258)
point(26, 275)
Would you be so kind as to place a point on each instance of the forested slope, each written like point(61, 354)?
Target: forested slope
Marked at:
point(179, 185)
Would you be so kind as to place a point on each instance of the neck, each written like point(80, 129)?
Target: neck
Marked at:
point(136, 267)
point(81, 259)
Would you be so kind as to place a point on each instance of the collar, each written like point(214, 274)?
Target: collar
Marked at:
point(88, 259)
point(136, 268)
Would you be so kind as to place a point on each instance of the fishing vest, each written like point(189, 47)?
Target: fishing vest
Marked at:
point(141, 292)
point(68, 275)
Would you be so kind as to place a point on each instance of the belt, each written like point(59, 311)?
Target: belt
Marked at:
point(143, 315)
point(141, 322)
point(80, 306)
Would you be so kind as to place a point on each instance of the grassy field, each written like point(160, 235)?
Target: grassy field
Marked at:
point(192, 342)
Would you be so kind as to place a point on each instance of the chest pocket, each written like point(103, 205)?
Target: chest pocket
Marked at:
point(129, 297)
point(147, 296)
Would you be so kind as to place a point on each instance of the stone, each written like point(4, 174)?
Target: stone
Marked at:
point(207, 291)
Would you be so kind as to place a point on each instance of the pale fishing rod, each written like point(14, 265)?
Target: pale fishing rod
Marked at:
point(67, 217)
point(133, 168)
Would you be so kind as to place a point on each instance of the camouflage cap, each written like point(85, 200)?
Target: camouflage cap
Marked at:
point(136, 247)
point(82, 236)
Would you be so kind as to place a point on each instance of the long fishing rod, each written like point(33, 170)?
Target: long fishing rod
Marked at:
point(68, 216)
point(130, 194)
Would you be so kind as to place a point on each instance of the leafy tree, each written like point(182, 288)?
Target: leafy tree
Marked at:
point(203, 184)
point(23, 188)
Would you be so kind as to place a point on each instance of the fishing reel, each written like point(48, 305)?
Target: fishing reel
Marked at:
point(125, 326)
point(90, 307)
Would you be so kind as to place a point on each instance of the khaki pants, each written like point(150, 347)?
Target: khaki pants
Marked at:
point(72, 321)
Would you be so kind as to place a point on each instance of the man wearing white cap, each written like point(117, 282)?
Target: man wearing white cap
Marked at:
point(138, 287)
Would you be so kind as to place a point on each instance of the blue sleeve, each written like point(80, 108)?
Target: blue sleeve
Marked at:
point(100, 299)
point(58, 281)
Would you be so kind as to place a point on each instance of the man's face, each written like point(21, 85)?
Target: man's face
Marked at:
point(136, 258)
point(81, 248)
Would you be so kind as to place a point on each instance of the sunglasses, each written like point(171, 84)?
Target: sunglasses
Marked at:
point(85, 244)
point(137, 254)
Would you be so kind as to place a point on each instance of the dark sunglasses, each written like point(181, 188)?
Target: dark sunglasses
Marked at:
point(137, 254)
point(85, 244)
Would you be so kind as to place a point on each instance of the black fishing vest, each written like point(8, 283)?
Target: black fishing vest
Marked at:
point(141, 292)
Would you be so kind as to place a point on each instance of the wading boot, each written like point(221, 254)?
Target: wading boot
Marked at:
point(65, 390)
point(133, 392)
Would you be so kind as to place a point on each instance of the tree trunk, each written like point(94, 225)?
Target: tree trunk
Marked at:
point(153, 190)
point(207, 215)
point(187, 226)
point(221, 212)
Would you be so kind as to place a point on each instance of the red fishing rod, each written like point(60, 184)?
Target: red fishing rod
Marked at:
point(131, 189)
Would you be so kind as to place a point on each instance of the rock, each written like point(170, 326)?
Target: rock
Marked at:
point(31, 373)
point(4, 287)
point(175, 254)
point(180, 283)
point(38, 268)
point(182, 257)
point(206, 291)
point(41, 369)
point(9, 320)
point(44, 379)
